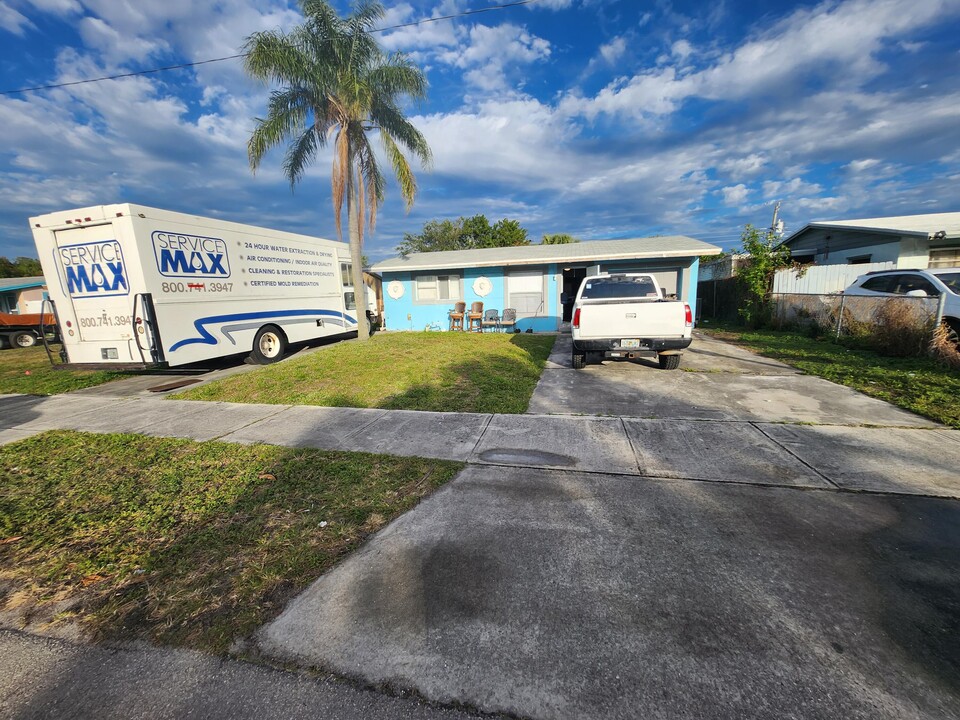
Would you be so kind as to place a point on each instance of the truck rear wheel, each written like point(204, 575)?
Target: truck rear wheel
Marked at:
point(23, 339)
point(579, 360)
point(668, 362)
point(269, 345)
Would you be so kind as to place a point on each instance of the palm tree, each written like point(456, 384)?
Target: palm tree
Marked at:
point(337, 86)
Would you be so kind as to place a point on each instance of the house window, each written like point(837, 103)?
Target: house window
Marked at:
point(525, 293)
point(944, 257)
point(858, 259)
point(438, 288)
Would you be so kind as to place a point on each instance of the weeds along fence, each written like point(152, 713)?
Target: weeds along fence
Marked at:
point(899, 326)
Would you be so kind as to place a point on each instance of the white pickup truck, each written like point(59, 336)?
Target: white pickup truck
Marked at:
point(626, 316)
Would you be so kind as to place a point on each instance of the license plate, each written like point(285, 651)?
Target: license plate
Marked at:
point(630, 343)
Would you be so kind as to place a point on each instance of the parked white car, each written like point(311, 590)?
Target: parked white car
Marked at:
point(933, 282)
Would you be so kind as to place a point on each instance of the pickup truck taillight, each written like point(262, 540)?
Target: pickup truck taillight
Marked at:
point(576, 318)
point(688, 315)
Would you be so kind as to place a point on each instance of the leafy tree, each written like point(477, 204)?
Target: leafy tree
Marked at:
point(338, 86)
point(477, 232)
point(21, 267)
point(509, 233)
point(436, 235)
point(558, 239)
point(765, 255)
point(463, 234)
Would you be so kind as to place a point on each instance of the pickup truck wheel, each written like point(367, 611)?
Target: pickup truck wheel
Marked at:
point(269, 345)
point(23, 339)
point(579, 360)
point(669, 362)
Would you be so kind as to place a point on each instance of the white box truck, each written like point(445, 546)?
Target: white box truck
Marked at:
point(134, 287)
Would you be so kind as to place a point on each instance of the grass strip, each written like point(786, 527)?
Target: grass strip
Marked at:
point(28, 371)
point(917, 384)
point(183, 543)
point(438, 371)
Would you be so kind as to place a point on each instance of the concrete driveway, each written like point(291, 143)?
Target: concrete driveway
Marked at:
point(717, 381)
point(697, 556)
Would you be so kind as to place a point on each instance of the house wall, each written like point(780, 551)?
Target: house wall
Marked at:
point(408, 313)
point(30, 301)
point(835, 247)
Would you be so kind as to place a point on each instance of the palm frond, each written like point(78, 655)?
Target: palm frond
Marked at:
point(340, 176)
point(398, 76)
point(370, 175)
point(401, 169)
point(273, 130)
point(391, 120)
point(300, 154)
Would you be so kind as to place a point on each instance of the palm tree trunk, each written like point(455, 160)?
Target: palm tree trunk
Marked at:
point(356, 252)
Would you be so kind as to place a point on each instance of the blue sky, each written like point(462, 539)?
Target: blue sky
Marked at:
point(601, 118)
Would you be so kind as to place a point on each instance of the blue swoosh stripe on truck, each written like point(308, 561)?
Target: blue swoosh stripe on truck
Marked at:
point(207, 339)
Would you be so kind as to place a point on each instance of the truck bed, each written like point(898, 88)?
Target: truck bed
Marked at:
point(13, 321)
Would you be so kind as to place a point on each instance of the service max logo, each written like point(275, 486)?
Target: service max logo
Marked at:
point(189, 256)
point(94, 269)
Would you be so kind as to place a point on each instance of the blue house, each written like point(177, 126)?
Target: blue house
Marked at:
point(538, 281)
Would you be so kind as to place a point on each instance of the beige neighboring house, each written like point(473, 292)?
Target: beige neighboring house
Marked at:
point(907, 241)
point(22, 296)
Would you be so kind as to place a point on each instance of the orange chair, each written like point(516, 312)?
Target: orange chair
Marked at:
point(456, 316)
point(475, 317)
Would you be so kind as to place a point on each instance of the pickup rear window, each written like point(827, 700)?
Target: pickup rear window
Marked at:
point(619, 287)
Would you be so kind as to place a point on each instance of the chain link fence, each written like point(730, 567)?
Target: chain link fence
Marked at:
point(900, 326)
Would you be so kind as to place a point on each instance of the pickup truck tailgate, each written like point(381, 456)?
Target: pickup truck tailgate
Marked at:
point(643, 319)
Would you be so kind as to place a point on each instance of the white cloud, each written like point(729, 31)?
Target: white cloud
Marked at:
point(613, 50)
point(859, 166)
point(57, 7)
point(774, 189)
point(682, 49)
point(835, 41)
point(735, 195)
point(743, 167)
point(13, 21)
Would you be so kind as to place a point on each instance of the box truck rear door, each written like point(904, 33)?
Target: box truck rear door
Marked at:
point(93, 274)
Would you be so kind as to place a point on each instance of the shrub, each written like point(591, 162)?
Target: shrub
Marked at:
point(899, 331)
point(943, 347)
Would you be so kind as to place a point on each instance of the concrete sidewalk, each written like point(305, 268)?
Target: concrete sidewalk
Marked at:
point(909, 460)
point(48, 678)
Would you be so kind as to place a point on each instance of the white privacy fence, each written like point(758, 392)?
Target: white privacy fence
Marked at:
point(823, 279)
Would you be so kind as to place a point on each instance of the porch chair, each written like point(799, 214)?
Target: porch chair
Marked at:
point(491, 319)
point(456, 316)
point(475, 317)
point(509, 319)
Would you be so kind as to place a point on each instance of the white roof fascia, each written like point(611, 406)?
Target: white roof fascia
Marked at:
point(424, 261)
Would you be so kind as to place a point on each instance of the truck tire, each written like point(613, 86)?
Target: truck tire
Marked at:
point(579, 360)
point(23, 339)
point(269, 345)
point(668, 362)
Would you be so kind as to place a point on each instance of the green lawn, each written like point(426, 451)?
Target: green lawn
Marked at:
point(442, 371)
point(917, 384)
point(28, 371)
point(184, 543)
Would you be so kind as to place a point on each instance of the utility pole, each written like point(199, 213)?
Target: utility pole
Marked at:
point(776, 226)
